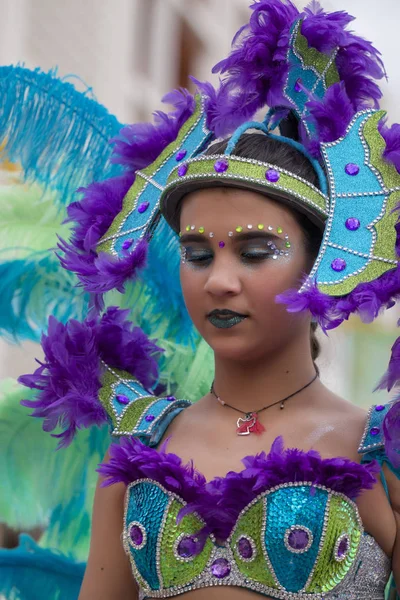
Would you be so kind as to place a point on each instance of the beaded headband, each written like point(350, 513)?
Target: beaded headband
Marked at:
point(307, 72)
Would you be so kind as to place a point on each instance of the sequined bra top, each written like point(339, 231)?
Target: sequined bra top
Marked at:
point(286, 526)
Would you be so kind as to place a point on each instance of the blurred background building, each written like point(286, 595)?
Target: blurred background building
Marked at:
point(130, 53)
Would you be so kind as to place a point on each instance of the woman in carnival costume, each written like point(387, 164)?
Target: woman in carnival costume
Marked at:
point(269, 484)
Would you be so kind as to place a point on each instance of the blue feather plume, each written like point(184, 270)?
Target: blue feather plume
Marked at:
point(58, 134)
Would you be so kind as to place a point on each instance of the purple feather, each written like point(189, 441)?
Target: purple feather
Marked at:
point(357, 61)
point(69, 379)
point(137, 146)
point(220, 501)
point(93, 215)
point(391, 431)
point(392, 376)
point(255, 71)
point(332, 114)
point(391, 135)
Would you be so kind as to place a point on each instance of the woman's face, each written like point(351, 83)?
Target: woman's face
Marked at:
point(234, 270)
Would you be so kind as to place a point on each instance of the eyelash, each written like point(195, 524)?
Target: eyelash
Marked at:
point(203, 260)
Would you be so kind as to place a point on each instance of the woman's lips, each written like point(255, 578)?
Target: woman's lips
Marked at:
point(225, 320)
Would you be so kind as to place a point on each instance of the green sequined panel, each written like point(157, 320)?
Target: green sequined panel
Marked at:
point(340, 545)
point(177, 570)
point(250, 527)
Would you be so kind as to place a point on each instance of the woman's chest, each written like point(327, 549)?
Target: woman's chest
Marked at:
point(283, 527)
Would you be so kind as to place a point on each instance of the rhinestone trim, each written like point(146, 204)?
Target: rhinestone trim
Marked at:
point(336, 549)
point(144, 533)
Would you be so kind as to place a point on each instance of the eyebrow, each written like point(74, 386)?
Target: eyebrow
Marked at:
point(240, 237)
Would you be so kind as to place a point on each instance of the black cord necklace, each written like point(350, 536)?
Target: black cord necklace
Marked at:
point(250, 423)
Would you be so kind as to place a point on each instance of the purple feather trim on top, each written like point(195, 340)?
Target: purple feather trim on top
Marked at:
point(255, 71)
point(391, 431)
point(93, 215)
point(391, 135)
point(137, 146)
point(332, 114)
point(69, 379)
point(392, 376)
point(220, 501)
point(254, 74)
point(357, 61)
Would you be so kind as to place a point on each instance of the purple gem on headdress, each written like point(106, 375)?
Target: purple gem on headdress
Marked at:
point(122, 399)
point(339, 264)
point(380, 407)
point(150, 418)
point(352, 224)
point(143, 207)
point(298, 539)
point(244, 548)
point(220, 568)
point(297, 86)
point(170, 398)
point(272, 175)
point(352, 169)
point(180, 155)
point(182, 170)
point(343, 547)
point(187, 547)
point(136, 535)
point(221, 244)
point(374, 431)
point(127, 244)
point(220, 166)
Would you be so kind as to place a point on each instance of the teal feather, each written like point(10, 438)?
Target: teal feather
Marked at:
point(33, 284)
point(68, 141)
point(52, 490)
point(33, 573)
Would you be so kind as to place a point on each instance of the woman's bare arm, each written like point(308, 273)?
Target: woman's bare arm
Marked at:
point(108, 573)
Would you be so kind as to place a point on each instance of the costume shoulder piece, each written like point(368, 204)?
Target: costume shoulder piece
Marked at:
point(381, 437)
point(100, 371)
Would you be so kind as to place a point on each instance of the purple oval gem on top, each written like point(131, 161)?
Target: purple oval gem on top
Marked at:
point(343, 548)
point(127, 244)
point(136, 535)
point(220, 568)
point(244, 548)
point(143, 207)
point(374, 431)
point(298, 539)
point(170, 398)
point(180, 155)
point(338, 264)
point(297, 86)
point(150, 418)
point(380, 407)
point(353, 224)
point(122, 399)
point(220, 166)
point(183, 169)
point(187, 547)
point(352, 169)
point(272, 175)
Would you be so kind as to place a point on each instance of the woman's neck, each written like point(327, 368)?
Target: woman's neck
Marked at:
point(251, 385)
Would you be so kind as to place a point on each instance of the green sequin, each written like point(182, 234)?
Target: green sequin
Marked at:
point(342, 519)
point(251, 175)
point(312, 58)
point(106, 393)
point(133, 414)
point(130, 200)
point(251, 524)
point(173, 571)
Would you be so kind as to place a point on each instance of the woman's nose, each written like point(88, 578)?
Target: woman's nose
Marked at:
point(223, 279)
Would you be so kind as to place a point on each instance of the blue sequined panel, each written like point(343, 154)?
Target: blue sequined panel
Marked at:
point(286, 508)
point(144, 513)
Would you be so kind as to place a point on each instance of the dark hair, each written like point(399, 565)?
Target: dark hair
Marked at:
point(269, 150)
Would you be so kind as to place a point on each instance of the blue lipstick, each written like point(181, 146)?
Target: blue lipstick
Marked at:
point(225, 319)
